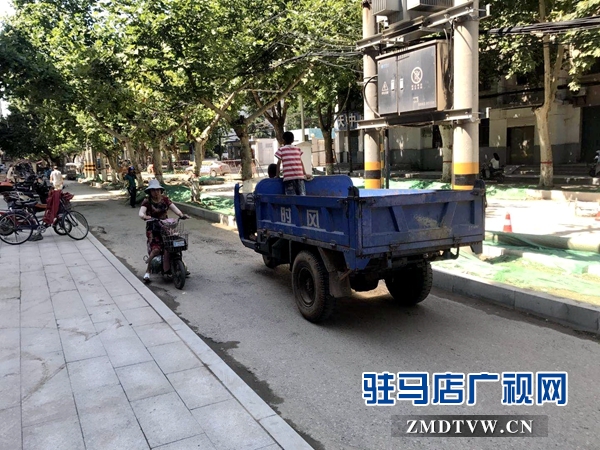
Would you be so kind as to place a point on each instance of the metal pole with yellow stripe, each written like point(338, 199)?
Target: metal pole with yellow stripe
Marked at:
point(465, 157)
point(371, 136)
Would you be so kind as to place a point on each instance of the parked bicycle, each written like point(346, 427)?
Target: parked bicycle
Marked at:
point(57, 213)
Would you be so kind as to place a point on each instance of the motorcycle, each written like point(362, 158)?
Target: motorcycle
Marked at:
point(175, 241)
point(595, 166)
point(489, 174)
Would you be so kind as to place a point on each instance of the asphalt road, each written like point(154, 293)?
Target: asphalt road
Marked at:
point(312, 374)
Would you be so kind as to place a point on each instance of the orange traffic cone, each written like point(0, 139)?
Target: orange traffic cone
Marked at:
point(507, 224)
point(598, 216)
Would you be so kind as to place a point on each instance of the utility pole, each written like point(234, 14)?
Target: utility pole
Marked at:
point(465, 160)
point(371, 135)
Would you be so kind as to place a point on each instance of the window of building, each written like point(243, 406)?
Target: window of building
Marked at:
point(484, 133)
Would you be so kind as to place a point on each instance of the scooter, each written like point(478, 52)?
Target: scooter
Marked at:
point(595, 166)
point(175, 241)
point(489, 174)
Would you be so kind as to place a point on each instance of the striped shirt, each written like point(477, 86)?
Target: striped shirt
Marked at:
point(291, 162)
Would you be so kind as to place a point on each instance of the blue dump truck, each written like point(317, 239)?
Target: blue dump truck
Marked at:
point(339, 238)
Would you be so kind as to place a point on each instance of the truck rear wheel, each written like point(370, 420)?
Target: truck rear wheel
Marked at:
point(270, 262)
point(311, 287)
point(410, 285)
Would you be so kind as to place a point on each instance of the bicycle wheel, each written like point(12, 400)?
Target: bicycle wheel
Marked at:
point(58, 226)
point(75, 224)
point(15, 228)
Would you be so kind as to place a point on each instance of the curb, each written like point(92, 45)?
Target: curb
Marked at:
point(223, 219)
point(282, 433)
point(580, 316)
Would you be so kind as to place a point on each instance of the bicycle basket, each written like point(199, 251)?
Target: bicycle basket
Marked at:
point(65, 200)
point(173, 235)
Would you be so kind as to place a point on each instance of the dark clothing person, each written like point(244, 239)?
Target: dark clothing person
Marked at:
point(131, 187)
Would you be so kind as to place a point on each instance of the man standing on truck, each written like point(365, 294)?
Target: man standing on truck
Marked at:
point(294, 173)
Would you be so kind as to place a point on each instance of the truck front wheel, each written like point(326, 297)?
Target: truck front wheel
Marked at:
point(311, 287)
point(410, 285)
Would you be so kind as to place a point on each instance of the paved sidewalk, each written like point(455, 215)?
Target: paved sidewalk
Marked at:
point(91, 359)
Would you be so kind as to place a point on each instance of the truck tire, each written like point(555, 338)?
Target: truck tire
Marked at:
point(310, 281)
point(270, 262)
point(410, 285)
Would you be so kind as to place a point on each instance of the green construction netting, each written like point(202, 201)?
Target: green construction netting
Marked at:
point(559, 273)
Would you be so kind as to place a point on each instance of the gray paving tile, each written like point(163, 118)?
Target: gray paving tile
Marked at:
point(116, 329)
point(10, 313)
point(10, 338)
point(91, 374)
point(10, 390)
point(9, 292)
point(198, 387)
point(80, 339)
point(142, 316)
point(83, 275)
point(38, 305)
point(10, 351)
point(165, 419)
point(143, 380)
point(129, 301)
point(200, 442)
point(174, 357)
point(234, 384)
point(39, 341)
point(9, 282)
point(67, 249)
point(50, 400)
point(95, 295)
point(75, 260)
point(30, 264)
point(93, 254)
point(105, 313)
point(126, 351)
point(37, 369)
point(59, 278)
point(156, 334)
point(10, 437)
point(107, 420)
point(50, 259)
point(41, 320)
point(62, 434)
point(32, 294)
point(68, 305)
point(99, 263)
point(240, 431)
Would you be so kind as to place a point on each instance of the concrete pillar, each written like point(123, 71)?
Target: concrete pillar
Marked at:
point(465, 160)
point(371, 136)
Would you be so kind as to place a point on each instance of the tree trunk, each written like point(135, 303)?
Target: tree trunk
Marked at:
point(114, 165)
point(325, 123)
point(198, 156)
point(157, 160)
point(328, 152)
point(95, 158)
point(135, 157)
point(447, 133)
point(551, 72)
point(546, 159)
point(242, 133)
